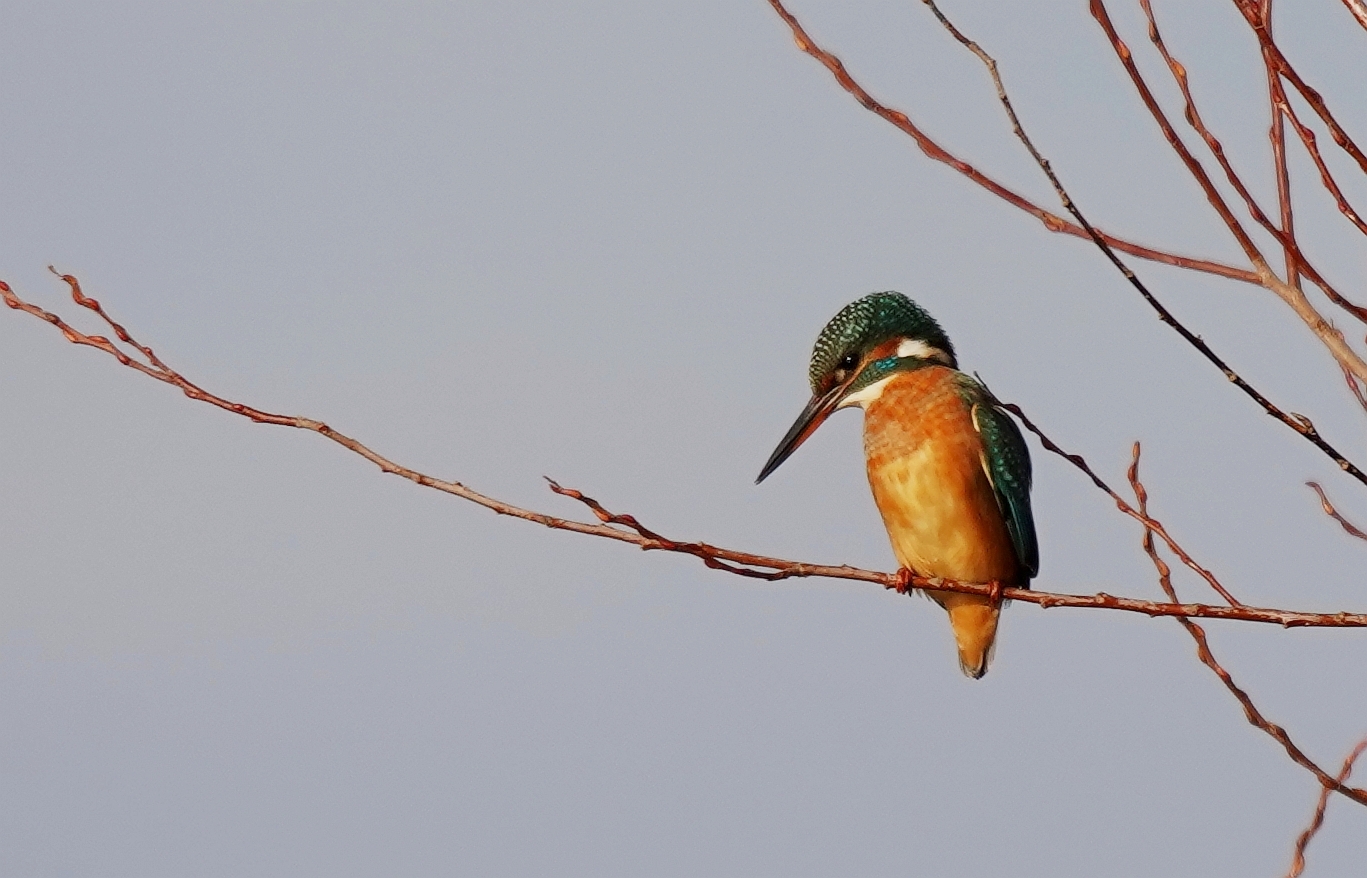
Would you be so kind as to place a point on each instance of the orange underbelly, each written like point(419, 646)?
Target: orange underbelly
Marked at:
point(925, 468)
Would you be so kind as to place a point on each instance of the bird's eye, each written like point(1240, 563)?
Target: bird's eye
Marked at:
point(848, 362)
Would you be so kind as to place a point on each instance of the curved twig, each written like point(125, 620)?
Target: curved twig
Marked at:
point(1052, 221)
point(1329, 510)
point(1203, 652)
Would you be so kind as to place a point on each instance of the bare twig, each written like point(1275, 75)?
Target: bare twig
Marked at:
point(1296, 260)
point(1138, 515)
point(1198, 173)
point(1359, 10)
point(1330, 337)
point(1252, 15)
point(1276, 134)
point(1356, 387)
point(1299, 424)
point(1311, 145)
point(1333, 513)
point(627, 529)
point(1317, 820)
point(1052, 221)
point(1203, 652)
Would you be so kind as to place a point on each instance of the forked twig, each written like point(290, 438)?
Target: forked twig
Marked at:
point(1203, 652)
point(1296, 260)
point(1052, 221)
point(1252, 15)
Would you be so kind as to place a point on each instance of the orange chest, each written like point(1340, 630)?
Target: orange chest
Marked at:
point(926, 469)
point(920, 413)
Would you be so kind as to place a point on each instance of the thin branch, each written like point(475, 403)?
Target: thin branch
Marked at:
point(1198, 173)
point(1359, 10)
point(1296, 260)
point(627, 529)
point(1329, 510)
point(1356, 387)
point(1250, 11)
point(1295, 298)
point(1276, 134)
point(1298, 423)
point(1311, 145)
point(1316, 821)
point(1052, 221)
point(1203, 652)
point(1138, 515)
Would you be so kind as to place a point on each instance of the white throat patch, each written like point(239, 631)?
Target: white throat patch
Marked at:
point(867, 395)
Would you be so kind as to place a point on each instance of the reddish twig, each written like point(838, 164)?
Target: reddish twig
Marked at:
point(1138, 515)
point(1333, 513)
point(1316, 821)
point(1296, 260)
point(1252, 15)
point(1203, 652)
point(1311, 144)
point(627, 529)
point(1300, 424)
point(1052, 221)
point(1276, 135)
point(1330, 337)
point(1198, 173)
point(1356, 387)
point(1359, 10)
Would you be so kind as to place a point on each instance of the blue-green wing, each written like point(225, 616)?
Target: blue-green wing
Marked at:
point(1007, 461)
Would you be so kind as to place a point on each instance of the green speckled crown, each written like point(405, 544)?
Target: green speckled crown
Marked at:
point(865, 323)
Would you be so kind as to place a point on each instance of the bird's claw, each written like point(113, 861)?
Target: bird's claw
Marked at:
point(903, 582)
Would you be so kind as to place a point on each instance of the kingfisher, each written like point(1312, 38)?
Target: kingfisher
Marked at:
point(949, 469)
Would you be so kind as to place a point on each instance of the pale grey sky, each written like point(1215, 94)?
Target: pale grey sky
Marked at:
point(595, 241)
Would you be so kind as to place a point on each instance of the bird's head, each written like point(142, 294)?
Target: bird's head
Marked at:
point(857, 351)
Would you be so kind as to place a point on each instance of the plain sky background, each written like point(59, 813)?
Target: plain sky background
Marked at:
point(595, 241)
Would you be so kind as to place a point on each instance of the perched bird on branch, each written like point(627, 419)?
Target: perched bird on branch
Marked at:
point(949, 469)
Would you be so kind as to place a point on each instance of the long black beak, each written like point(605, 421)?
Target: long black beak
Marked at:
point(818, 409)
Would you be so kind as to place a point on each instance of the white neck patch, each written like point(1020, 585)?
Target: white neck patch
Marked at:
point(914, 347)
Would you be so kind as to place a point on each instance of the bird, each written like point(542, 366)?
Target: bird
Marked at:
point(949, 469)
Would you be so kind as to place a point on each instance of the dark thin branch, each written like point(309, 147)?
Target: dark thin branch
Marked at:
point(1300, 424)
point(1203, 652)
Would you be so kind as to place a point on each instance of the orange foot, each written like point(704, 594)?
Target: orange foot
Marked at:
point(994, 592)
point(903, 583)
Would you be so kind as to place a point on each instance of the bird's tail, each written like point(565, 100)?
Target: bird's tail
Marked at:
point(974, 620)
